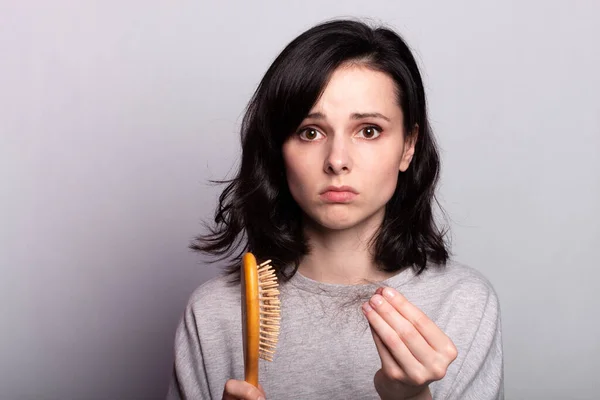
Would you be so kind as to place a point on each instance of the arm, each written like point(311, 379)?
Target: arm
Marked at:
point(189, 380)
point(480, 372)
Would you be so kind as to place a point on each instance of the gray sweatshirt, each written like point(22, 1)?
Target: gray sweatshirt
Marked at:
point(326, 350)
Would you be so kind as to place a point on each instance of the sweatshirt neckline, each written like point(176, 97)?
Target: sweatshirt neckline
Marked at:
point(337, 289)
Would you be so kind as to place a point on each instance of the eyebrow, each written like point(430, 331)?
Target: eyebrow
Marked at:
point(357, 116)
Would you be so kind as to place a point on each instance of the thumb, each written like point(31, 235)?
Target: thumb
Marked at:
point(262, 390)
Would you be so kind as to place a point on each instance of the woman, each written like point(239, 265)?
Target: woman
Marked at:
point(336, 186)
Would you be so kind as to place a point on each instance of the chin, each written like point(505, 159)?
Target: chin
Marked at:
point(337, 225)
point(338, 217)
point(338, 221)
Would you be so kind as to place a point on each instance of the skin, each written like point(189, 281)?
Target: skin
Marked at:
point(354, 136)
point(414, 352)
point(242, 390)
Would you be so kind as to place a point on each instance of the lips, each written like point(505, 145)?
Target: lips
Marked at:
point(338, 194)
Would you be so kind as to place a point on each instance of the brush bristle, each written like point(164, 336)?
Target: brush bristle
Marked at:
point(270, 311)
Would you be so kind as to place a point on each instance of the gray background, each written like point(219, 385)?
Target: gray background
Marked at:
point(113, 116)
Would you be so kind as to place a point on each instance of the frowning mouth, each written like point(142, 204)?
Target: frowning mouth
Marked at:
point(338, 194)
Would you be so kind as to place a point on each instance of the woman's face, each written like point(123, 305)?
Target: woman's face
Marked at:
point(342, 163)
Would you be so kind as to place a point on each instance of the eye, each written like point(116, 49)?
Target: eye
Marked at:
point(370, 132)
point(310, 134)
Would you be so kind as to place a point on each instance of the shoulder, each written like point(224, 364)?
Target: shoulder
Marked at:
point(462, 288)
point(219, 285)
point(215, 300)
point(455, 276)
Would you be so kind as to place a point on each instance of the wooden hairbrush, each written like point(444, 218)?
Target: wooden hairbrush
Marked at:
point(261, 314)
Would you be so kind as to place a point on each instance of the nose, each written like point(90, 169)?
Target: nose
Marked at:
point(338, 159)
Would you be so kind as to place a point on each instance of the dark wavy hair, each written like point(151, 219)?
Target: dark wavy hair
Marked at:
point(256, 211)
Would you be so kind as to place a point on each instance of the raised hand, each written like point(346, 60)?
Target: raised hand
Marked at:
point(414, 352)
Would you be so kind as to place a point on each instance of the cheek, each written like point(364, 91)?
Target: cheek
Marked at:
point(383, 175)
point(298, 175)
point(386, 183)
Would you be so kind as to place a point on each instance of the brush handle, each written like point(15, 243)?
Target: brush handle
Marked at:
point(250, 318)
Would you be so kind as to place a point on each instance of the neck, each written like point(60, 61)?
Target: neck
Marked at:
point(342, 256)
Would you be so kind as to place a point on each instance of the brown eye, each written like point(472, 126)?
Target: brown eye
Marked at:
point(370, 132)
point(310, 134)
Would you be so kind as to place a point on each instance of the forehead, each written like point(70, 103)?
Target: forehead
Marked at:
point(357, 88)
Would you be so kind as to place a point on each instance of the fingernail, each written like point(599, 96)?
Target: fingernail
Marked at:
point(388, 293)
point(366, 308)
point(376, 300)
point(261, 398)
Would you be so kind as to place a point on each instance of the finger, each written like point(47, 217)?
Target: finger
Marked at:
point(426, 327)
point(388, 363)
point(235, 390)
point(409, 335)
point(398, 350)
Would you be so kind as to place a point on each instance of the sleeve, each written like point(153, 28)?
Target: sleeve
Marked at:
point(480, 374)
point(189, 379)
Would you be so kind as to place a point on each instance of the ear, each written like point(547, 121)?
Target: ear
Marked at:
point(409, 148)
